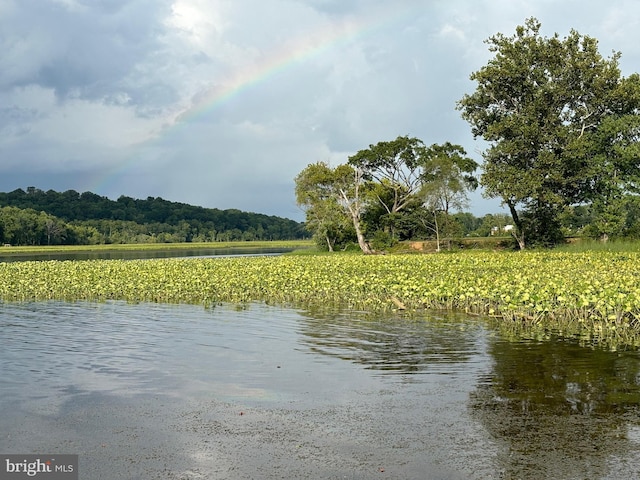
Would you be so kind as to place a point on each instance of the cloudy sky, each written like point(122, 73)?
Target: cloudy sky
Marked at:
point(221, 103)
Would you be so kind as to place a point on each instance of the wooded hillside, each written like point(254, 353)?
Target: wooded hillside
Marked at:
point(38, 217)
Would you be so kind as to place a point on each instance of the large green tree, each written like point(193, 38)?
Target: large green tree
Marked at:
point(562, 126)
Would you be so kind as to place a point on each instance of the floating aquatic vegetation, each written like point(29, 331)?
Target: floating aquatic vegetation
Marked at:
point(598, 291)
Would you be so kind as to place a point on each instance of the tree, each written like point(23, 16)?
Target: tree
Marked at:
point(316, 193)
point(561, 123)
point(446, 177)
point(25, 226)
point(320, 188)
point(395, 166)
point(53, 227)
point(609, 219)
point(632, 226)
point(349, 182)
point(467, 221)
point(432, 219)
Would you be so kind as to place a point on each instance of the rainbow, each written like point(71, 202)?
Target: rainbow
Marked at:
point(314, 44)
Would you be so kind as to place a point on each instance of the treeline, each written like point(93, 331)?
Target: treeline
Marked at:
point(36, 217)
point(403, 190)
point(581, 221)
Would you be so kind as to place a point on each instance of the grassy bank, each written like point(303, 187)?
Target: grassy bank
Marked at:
point(593, 292)
point(70, 249)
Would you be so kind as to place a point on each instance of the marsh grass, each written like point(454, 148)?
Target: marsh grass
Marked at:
point(590, 245)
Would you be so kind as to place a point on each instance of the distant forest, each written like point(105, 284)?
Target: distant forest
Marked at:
point(36, 217)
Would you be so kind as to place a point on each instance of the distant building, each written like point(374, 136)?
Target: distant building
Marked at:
point(500, 230)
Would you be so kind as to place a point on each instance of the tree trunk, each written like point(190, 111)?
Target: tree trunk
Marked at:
point(517, 233)
point(437, 230)
point(364, 246)
point(353, 207)
point(329, 243)
point(354, 212)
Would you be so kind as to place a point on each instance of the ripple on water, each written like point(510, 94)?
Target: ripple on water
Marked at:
point(342, 387)
point(150, 348)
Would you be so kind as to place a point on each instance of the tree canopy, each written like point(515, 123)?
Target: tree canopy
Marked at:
point(562, 126)
point(383, 192)
point(395, 165)
point(318, 192)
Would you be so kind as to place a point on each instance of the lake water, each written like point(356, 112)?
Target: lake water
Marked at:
point(181, 392)
point(142, 254)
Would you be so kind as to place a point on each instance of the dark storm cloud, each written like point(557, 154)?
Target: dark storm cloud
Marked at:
point(116, 96)
point(86, 50)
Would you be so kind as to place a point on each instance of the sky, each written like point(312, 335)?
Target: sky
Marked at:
point(221, 103)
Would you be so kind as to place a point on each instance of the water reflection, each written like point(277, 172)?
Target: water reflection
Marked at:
point(393, 344)
point(386, 390)
point(562, 410)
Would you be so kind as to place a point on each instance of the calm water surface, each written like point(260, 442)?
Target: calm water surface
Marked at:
point(143, 254)
point(168, 391)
